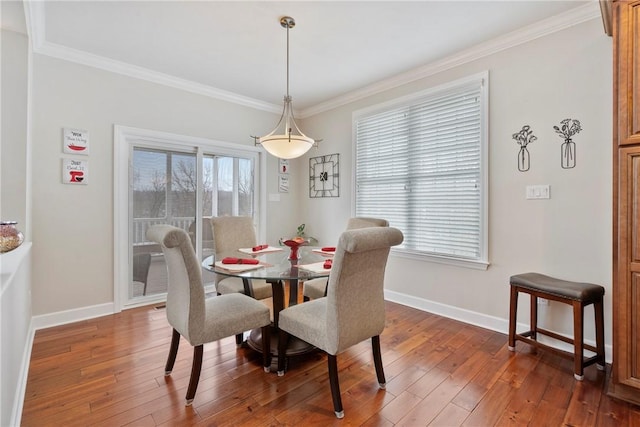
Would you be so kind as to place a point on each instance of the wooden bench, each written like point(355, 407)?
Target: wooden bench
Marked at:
point(578, 295)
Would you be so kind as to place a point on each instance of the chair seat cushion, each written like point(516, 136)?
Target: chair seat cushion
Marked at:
point(585, 292)
point(228, 315)
point(307, 321)
point(233, 285)
point(315, 288)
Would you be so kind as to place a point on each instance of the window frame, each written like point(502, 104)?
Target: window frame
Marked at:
point(125, 138)
point(482, 79)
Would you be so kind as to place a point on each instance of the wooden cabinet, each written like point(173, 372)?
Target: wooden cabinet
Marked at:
point(625, 378)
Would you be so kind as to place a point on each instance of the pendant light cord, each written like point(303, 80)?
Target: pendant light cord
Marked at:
point(288, 61)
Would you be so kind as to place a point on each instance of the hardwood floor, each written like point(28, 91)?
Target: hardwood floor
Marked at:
point(110, 371)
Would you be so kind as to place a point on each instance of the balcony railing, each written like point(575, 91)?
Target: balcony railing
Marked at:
point(140, 226)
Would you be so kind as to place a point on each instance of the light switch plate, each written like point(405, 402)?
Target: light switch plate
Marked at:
point(538, 192)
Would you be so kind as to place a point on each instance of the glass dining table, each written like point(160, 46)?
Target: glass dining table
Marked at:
point(277, 269)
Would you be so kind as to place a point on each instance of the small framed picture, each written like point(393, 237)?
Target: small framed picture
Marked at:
point(75, 171)
point(283, 183)
point(75, 141)
point(283, 165)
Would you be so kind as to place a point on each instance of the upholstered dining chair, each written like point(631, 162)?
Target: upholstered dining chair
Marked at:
point(353, 309)
point(317, 288)
point(231, 233)
point(198, 319)
point(141, 264)
point(207, 236)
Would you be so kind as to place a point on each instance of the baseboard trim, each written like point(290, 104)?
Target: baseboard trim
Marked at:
point(474, 318)
point(21, 389)
point(477, 319)
point(69, 316)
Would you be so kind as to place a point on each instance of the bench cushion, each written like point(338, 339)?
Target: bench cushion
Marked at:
point(585, 292)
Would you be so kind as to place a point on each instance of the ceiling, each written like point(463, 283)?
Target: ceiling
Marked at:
point(237, 49)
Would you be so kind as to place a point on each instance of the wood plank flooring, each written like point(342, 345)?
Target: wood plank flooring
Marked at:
point(110, 372)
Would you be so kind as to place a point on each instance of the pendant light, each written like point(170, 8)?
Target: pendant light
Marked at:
point(286, 141)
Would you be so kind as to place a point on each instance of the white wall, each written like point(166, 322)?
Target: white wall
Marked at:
point(73, 225)
point(13, 159)
point(15, 266)
point(563, 75)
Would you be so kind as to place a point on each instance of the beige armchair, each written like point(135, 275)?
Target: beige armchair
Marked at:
point(201, 320)
point(231, 233)
point(317, 288)
point(353, 309)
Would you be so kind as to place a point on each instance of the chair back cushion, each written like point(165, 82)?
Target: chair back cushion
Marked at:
point(207, 233)
point(355, 293)
point(185, 292)
point(141, 264)
point(231, 233)
point(363, 222)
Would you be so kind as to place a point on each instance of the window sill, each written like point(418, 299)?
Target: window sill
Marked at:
point(457, 262)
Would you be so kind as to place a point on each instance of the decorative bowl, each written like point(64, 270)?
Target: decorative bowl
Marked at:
point(10, 236)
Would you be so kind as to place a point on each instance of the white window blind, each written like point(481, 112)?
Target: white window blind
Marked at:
point(419, 164)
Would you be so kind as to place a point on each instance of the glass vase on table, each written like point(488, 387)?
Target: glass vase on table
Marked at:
point(294, 244)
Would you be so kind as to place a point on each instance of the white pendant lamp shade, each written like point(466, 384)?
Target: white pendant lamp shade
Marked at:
point(286, 146)
point(286, 141)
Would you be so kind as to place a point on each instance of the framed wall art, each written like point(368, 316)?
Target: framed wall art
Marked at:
point(324, 176)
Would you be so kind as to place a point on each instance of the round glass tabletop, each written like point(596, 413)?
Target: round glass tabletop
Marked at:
point(273, 265)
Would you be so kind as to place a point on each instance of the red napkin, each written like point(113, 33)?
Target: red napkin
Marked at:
point(231, 260)
point(327, 264)
point(259, 248)
point(329, 249)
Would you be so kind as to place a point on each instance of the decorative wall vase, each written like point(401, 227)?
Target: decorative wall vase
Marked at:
point(568, 159)
point(523, 159)
point(568, 128)
point(524, 138)
point(10, 236)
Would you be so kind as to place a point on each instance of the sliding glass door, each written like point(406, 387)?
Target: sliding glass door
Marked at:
point(182, 185)
point(164, 185)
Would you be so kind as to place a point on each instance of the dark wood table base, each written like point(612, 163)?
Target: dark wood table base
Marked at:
point(295, 347)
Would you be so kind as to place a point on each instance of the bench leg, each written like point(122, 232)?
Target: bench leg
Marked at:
point(599, 316)
point(578, 345)
point(534, 318)
point(513, 309)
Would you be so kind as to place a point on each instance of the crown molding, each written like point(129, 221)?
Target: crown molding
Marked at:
point(34, 10)
point(35, 20)
point(607, 16)
point(531, 32)
point(118, 67)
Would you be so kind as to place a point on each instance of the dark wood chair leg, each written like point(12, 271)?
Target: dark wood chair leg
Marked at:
point(266, 348)
point(196, 367)
point(283, 340)
point(599, 316)
point(534, 317)
point(377, 360)
point(239, 339)
point(513, 310)
point(335, 385)
point(173, 352)
point(578, 344)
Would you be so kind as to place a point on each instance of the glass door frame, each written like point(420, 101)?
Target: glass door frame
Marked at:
point(125, 139)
